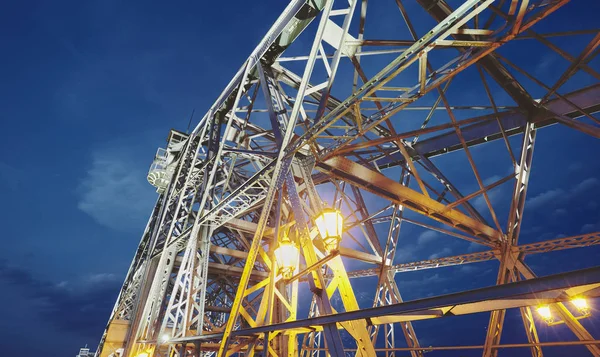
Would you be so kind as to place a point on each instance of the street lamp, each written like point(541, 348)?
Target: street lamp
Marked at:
point(545, 313)
point(286, 256)
point(581, 305)
point(330, 224)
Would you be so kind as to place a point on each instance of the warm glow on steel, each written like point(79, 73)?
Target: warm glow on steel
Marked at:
point(330, 225)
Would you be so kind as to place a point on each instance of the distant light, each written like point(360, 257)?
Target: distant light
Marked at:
point(164, 338)
point(143, 354)
point(544, 312)
point(581, 305)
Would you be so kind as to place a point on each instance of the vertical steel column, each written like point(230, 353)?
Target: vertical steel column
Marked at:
point(278, 118)
point(508, 258)
point(357, 329)
point(387, 290)
point(142, 323)
point(281, 168)
point(317, 285)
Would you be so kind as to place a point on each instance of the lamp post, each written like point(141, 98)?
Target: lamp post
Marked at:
point(330, 225)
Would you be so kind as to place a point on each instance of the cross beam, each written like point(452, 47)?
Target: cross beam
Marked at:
point(584, 240)
point(372, 181)
point(549, 289)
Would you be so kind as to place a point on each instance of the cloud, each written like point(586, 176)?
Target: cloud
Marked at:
point(560, 212)
point(446, 251)
point(81, 309)
point(406, 253)
point(467, 269)
point(585, 185)
point(531, 230)
point(545, 198)
point(545, 64)
point(475, 247)
point(479, 202)
point(422, 283)
point(496, 195)
point(102, 278)
point(490, 180)
point(555, 196)
point(114, 191)
point(590, 227)
point(427, 237)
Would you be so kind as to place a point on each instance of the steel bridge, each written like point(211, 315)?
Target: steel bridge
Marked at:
point(322, 115)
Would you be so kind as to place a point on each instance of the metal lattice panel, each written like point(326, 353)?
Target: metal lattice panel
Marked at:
point(376, 128)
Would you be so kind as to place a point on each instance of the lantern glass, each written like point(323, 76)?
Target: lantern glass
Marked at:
point(581, 305)
point(287, 255)
point(330, 225)
point(544, 312)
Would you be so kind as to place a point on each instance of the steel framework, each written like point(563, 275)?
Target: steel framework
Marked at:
point(278, 146)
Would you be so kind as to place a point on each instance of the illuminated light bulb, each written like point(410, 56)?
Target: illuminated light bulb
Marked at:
point(286, 255)
point(330, 225)
point(545, 312)
point(581, 305)
point(164, 338)
point(143, 354)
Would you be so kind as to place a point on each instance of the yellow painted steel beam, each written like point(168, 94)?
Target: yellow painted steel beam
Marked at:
point(356, 328)
point(250, 227)
point(376, 183)
point(235, 271)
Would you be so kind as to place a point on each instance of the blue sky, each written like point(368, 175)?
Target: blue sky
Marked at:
point(89, 91)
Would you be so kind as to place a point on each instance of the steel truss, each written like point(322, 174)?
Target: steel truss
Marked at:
point(278, 146)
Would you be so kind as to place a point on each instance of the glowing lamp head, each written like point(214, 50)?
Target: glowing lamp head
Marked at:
point(544, 312)
point(581, 305)
point(286, 256)
point(330, 224)
point(164, 338)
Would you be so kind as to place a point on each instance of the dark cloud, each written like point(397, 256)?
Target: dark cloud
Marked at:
point(82, 309)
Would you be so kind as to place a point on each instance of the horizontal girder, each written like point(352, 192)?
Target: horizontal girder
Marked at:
point(544, 290)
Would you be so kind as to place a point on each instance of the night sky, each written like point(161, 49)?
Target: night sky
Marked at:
point(89, 90)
